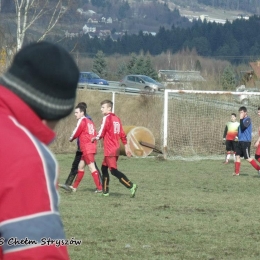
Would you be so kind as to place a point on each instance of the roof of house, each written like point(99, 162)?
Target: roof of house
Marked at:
point(256, 68)
point(179, 75)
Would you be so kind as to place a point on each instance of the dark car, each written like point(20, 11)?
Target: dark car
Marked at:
point(91, 78)
point(141, 82)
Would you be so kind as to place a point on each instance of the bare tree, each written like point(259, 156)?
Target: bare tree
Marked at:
point(29, 11)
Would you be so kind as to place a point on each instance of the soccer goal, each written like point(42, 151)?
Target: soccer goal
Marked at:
point(194, 121)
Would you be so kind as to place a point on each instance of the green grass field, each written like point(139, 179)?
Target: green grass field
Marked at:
point(182, 210)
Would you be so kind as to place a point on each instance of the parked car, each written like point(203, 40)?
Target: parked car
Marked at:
point(247, 99)
point(141, 82)
point(91, 78)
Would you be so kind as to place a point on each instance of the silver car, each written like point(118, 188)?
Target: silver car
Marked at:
point(247, 99)
point(141, 82)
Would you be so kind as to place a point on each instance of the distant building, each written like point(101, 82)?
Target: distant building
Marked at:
point(87, 29)
point(91, 12)
point(86, 13)
point(203, 17)
point(243, 16)
point(179, 79)
point(109, 20)
point(251, 77)
point(92, 20)
point(147, 33)
point(104, 33)
point(72, 34)
point(180, 75)
point(106, 20)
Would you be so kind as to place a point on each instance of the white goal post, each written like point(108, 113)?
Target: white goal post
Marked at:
point(194, 121)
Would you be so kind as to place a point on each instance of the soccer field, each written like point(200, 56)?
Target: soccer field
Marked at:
point(182, 210)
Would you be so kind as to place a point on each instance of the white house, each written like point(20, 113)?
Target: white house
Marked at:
point(92, 20)
point(87, 29)
point(109, 20)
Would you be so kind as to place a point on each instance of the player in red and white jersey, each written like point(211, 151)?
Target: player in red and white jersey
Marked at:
point(85, 131)
point(257, 145)
point(111, 131)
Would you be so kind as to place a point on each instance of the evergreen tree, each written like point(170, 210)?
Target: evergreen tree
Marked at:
point(139, 66)
point(99, 3)
point(123, 10)
point(228, 79)
point(122, 70)
point(149, 70)
point(198, 66)
point(131, 64)
point(100, 64)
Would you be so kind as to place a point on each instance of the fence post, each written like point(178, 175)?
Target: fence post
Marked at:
point(113, 100)
point(165, 123)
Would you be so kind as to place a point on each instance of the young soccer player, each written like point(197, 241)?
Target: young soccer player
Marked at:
point(230, 137)
point(85, 131)
point(244, 143)
point(257, 144)
point(75, 164)
point(112, 132)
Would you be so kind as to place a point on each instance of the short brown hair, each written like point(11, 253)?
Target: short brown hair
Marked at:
point(108, 102)
point(82, 108)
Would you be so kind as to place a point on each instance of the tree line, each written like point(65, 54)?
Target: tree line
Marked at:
point(237, 41)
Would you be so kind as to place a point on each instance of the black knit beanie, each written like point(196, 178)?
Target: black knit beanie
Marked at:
point(45, 76)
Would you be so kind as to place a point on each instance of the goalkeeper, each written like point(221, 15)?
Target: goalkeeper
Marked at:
point(230, 137)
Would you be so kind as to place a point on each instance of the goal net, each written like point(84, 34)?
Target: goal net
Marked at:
point(194, 121)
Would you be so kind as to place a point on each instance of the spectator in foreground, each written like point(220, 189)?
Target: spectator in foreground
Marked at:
point(37, 91)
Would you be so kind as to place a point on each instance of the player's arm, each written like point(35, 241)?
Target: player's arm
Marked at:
point(78, 130)
point(101, 131)
point(124, 141)
point(244, 123)
point(258, 139)
point(257, 142)
point(225, 132)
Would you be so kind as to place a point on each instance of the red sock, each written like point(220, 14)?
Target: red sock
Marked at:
point(255, 165)
point(237, 167)
point(78, 179)
point(96, 180)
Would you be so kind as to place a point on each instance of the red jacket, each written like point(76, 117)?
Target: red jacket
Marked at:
point(85, 131)
point(112, 132)
point(28, 177)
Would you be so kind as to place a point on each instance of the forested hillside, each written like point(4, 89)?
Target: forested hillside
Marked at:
point(231, 41)
point(133, 22)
